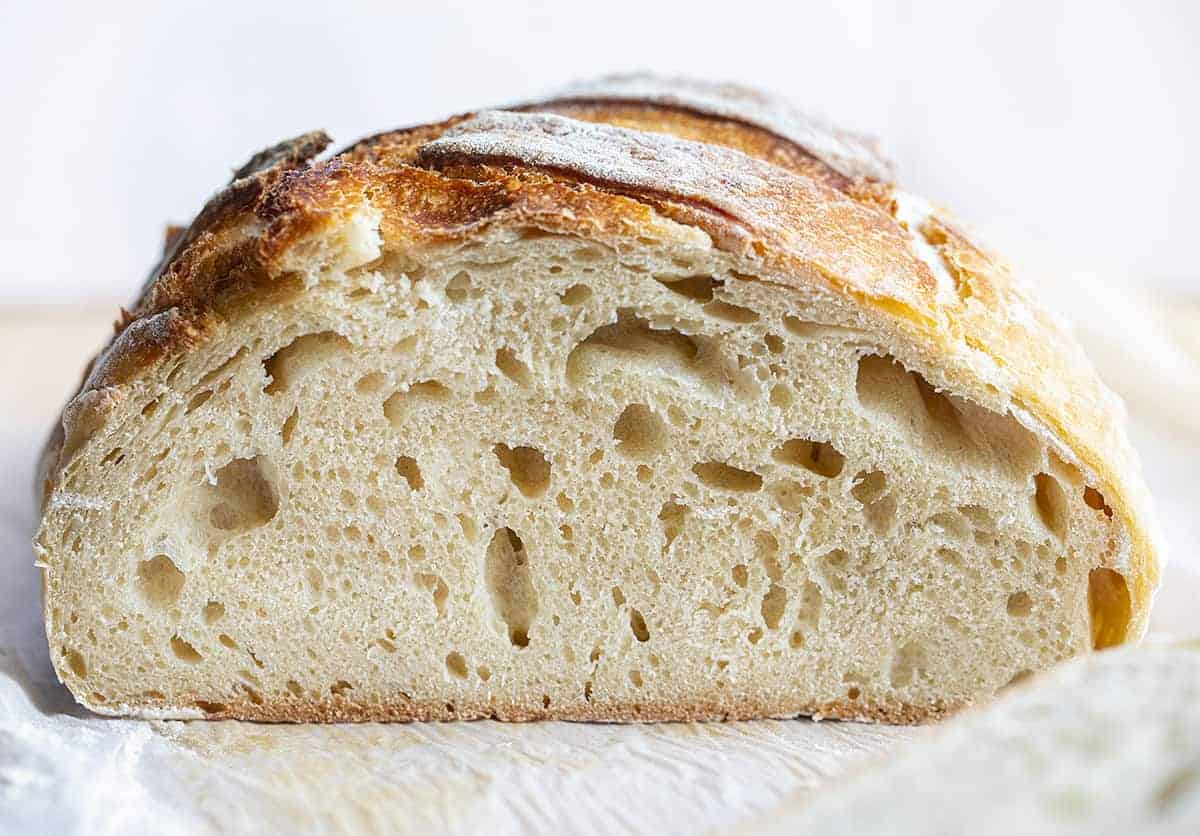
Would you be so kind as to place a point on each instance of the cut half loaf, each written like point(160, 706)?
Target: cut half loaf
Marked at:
point(655, 401)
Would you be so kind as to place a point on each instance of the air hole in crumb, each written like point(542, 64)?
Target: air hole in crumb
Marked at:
point(576, 294)
point(781, 396)
point(696, 288)
point(632, 345)
point(884, 386)
point(1051, 502)
point(512, 367)
point(469, 529)
point(220, 371)
point(879, 508)
point(289, 427)
point(1020, 676)
point(159, 581)
point(340, 688)
point(740, 575)
point(243, 497)
point(456, 665)
point(484, 673)
point(618, 596)
point(198, 400)
point(980, 517)
point(730, 313)
point(459, 287)
point(407, 467)
point(636, 678)
point(773, 605)
point(227, 641)
point(853, 694)
point(211, 707)
point(437, 589)
point(908, 663)
point(724, 477)
point(292, 362)
point(671, 515)
point(816, 456)
point(76, 663)
point(1095, 501)
point(638, 625)
point(419, 394)
point(184, 651)
point(294, 688)
point(834, 564)
point(1019, 604)
point(371, 383)
point(510, 585)
point(214, 611)
point(640, 432)
point(869, 487)
point(1109, 607)
point(527, 467)
point(774, 343)
point(251, 694)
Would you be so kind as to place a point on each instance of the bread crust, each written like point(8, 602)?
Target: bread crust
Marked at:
point(787, 216)
point(343, 710)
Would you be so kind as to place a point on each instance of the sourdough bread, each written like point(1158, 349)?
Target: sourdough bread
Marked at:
point(654, 401)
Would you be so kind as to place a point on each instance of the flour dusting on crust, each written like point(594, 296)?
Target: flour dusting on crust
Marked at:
point(761, 199)
point(844, 152)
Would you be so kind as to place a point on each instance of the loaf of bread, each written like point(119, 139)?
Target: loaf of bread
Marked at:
point(1109, 744)
point(655, 401)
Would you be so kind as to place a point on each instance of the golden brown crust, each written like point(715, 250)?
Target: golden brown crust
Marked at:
point(786, 215)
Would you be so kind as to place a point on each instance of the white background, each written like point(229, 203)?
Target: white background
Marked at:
point(1071, 126)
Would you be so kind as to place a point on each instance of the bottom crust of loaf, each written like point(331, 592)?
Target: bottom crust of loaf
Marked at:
point(404, 710)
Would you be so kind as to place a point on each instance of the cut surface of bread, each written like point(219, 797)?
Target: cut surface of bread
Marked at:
point(528, 416)
point(1106, 745)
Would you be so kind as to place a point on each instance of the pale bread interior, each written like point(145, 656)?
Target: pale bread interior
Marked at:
point(535, 477)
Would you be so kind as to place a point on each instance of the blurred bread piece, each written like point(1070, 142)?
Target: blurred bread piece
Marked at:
point(1109, 744)
point(613, 408)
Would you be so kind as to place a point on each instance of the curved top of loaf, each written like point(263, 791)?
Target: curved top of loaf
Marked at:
point(847, 153)
point(794, 202)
